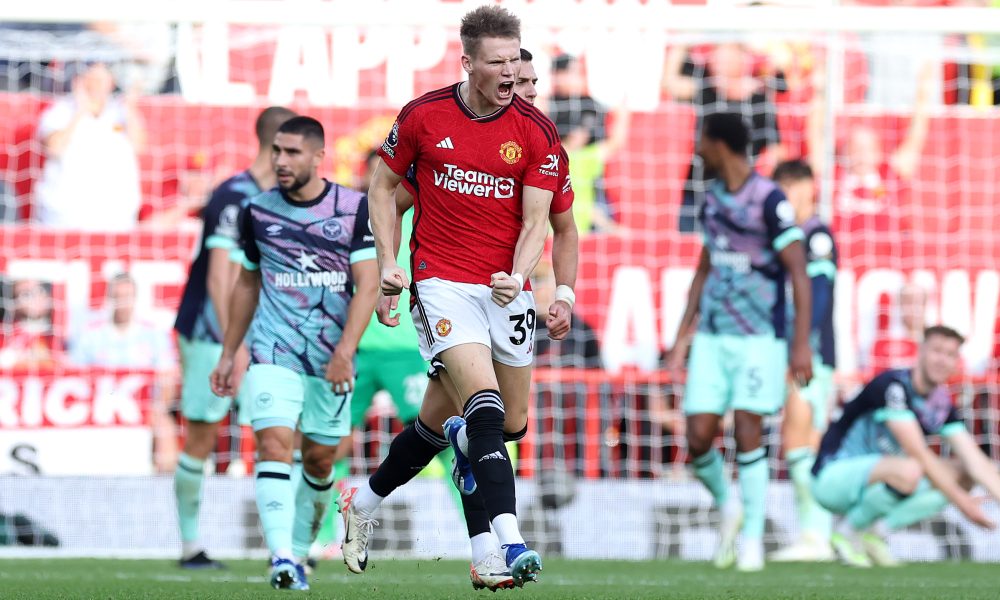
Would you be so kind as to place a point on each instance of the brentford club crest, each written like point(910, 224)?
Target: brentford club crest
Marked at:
point(510, 152)
point(443, 327)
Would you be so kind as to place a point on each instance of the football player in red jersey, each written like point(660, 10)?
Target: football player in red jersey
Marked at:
point(485, 166)
point(488, 569)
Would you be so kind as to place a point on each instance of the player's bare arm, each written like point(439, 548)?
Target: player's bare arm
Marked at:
point(535, 202)
point(681, 87)
point(340, 369)
point(911, 440)
point(793, 257)
point(906, 158)
point(219, 282)
point(976, 463)
point(242, 305)
point(382, 209)
point(404, 202)
point(386, 305)
point(675, 358)
point(565, 260)
point(222, 274)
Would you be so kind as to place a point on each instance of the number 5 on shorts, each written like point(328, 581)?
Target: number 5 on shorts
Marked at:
point(523, 324)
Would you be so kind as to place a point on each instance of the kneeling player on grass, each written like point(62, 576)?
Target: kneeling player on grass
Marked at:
point(875, 467)
point(418, 444)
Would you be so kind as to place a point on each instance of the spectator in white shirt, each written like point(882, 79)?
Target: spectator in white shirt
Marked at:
point(118, 340)
point(91, 175)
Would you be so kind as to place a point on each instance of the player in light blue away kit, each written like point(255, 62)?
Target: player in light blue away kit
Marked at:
point(739, 353)
point(876, 468)
point(201, 321)
point(309, 283)
point(807, 408)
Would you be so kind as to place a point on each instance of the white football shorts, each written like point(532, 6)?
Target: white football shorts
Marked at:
point(448, 314)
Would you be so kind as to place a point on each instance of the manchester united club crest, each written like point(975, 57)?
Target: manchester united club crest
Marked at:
point(443, 327)
point(510, 152)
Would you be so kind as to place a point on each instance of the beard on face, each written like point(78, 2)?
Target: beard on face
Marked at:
point(300, 181)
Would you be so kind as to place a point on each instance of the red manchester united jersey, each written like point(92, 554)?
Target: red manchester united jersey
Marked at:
point(468, 174)
point(562, 200)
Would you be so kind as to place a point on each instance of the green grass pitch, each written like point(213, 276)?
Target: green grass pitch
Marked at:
point(561, 579)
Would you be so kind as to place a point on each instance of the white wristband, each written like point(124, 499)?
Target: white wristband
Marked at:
point(520, 280)
point(565, 293)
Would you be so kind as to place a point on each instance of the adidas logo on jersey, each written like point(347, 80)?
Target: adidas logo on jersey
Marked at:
point(495, 455)
point(446, 144)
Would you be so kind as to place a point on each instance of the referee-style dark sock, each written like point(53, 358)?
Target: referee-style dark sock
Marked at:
point(484, 416)
point(477, 519)
point(409, 453)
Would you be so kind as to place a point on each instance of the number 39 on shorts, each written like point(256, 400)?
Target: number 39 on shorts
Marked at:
point(523, 326)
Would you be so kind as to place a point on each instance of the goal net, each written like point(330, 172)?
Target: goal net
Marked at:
point(899, 122)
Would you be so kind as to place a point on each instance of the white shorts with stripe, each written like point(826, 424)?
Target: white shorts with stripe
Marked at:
point(448, 314)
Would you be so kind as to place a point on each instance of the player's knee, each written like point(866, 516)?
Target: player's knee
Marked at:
point(198, 448)
point(200, 439)
point(515, 417)
point(747, 429)
point(273, 447)
point(514, 421)
point(318, 466)
point(698, 444)
point(318, 459)
point(434, 411)
point(908, 476)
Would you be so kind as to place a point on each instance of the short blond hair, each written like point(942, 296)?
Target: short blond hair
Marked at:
point(485, 22)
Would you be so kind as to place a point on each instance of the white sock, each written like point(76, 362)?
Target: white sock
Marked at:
point(878, 528)
point(845, 529)
point(191, 548)
point(463, 440)
point(507, 530)
point(366, 501)
point(732, 507)
point(482, 545)
point(747, 542)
